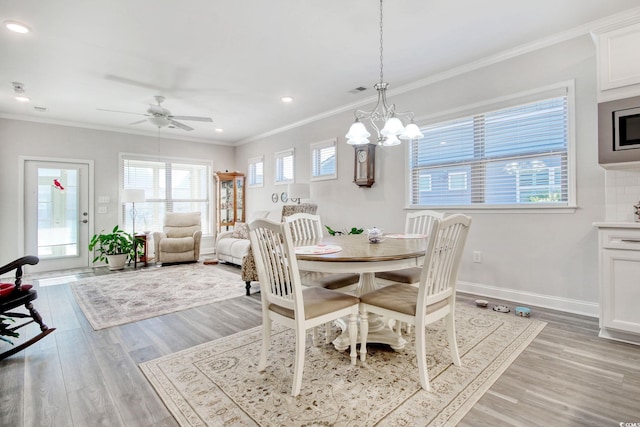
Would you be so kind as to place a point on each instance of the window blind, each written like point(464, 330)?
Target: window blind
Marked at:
point(169, 186)
point(284, 167)
point(512, 156)
point(256, 172)
point(323, 160)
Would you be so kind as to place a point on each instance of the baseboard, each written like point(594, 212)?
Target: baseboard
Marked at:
point(584, 308)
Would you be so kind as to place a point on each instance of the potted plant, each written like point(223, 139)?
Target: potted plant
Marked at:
point(114, 248)
point(354, 230)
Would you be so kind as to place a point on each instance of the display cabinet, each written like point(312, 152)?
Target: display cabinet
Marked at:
point(230, 199)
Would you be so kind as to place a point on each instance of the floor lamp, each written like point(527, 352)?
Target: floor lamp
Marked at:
point(133, 196)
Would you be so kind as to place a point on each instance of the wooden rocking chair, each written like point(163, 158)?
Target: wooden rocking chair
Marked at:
point(18, 296)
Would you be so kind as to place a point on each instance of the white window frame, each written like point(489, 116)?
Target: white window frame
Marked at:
point(209, 226)
point(279, 158)
point(500, 103)
point(316, 153)
point(252, 166)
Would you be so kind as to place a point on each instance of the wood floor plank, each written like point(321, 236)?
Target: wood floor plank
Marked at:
point(136, 403)
point(46, 402)
point(11, 392)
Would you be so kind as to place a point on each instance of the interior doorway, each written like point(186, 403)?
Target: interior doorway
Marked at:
point(57, 221)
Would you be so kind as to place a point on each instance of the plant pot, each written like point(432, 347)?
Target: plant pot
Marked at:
point(116, 262)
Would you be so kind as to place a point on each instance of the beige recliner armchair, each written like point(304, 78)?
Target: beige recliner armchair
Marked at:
point(180, 239)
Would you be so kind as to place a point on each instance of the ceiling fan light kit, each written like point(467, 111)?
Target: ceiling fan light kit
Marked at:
point(161, 117)
point(383, 116)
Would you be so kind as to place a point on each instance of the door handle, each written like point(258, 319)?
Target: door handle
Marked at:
point(84, 221)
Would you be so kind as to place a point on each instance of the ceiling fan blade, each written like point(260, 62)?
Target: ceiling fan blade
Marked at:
point(118, 111)
point(197, 119)
point(138, 122)
point(180, 125)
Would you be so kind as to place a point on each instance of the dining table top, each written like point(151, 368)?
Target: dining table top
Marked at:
point(356, 248)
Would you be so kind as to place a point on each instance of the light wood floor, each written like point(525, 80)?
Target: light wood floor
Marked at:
point(80, 377)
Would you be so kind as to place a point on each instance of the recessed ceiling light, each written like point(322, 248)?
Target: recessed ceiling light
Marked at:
point(287, 99)
point(17, 27)
point(23, 98)
point(219, 130)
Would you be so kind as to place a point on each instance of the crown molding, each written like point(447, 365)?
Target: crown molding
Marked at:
point(610, 22)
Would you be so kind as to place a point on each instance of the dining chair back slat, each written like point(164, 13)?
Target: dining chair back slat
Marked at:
point(304, 226)
point(420, 222)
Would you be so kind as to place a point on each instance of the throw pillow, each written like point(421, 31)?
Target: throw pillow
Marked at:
point(240, 231)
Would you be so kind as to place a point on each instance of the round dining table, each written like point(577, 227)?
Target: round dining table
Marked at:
point(354, 254)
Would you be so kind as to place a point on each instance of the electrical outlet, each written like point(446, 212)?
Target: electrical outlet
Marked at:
point(102, 209)
point(477, 256)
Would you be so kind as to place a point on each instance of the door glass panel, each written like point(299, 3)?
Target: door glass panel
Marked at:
point(58, 212)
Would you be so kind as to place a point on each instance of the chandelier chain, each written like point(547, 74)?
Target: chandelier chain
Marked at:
point(381, 74)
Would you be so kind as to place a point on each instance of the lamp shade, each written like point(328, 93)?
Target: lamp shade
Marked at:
point(133, 195)
point(159, 121)
point(390, 141)
point(412, 131)
point(299, 191)
point(392, 127)
point(357, 131)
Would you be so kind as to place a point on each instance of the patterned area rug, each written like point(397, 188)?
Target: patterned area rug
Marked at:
point(217, 383)
point(116, 299)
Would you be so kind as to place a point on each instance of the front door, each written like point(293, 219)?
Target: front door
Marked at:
point(57, 220)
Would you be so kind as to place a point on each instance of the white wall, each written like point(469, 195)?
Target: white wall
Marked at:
point(547, 259)
point(22, 138)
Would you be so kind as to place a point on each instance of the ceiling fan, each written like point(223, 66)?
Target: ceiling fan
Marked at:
point(161, 117)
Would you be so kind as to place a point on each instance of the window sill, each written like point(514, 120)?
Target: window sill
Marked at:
point(500, 209)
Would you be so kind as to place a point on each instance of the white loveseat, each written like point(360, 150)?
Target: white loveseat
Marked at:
point(232, 246)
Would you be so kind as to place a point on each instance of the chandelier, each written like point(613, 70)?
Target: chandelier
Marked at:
point(384, 118)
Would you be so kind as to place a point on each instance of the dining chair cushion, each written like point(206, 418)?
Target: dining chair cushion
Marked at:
point(406, 275)
point(328, 280)
point(317, 302)
point(399, 297)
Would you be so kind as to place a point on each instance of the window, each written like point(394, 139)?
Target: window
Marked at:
point(512, 156)
point(170, 185)
point(256, 172)
point(323, 160)
point(284, 167)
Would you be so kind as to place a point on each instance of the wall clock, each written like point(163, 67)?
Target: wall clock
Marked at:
point(364, 168)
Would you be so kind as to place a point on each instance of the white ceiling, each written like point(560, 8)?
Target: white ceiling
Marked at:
point(234, 60)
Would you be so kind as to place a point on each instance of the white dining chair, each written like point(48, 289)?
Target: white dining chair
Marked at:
point(419, 222)
point(307, 227)
point(433, 299)
point(284, 299)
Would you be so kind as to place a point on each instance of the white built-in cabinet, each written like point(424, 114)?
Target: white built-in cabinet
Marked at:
point(619, 245)
point(618, 59)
